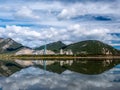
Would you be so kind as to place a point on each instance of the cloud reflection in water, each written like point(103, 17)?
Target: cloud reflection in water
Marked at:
point(33, 78)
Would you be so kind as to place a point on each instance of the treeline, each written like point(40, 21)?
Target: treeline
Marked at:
point(64, 55)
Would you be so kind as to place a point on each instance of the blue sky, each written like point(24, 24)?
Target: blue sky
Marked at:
point(32, 22)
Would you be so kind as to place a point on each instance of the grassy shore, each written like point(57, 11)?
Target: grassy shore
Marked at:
point(53, 57)
point(37, 57)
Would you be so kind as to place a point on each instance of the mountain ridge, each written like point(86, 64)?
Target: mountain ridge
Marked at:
point(88, 47)
point(91, 47)
point(8, 45)
point(54, 46)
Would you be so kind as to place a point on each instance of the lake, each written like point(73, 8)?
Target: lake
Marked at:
point(77, 74)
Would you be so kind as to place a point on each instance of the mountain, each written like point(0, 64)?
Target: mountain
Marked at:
point(92, 47)
point(55, 46)
point(9, 46)
point(24, 51)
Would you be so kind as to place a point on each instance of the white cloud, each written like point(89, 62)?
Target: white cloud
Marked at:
point(5, 8)
point(78, 9)
point(26, 12)
point(19, 34)
point(73, 33)
point(115, 44)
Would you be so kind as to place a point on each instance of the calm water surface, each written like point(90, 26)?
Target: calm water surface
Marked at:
point(60, 74)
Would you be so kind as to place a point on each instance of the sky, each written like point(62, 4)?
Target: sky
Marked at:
point(36, 22)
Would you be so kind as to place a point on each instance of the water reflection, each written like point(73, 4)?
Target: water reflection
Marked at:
point(58, 66)
point(8, 67)
point(60, 75)
point(80, 66)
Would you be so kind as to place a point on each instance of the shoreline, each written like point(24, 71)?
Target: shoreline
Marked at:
point(65, 57)
point(38, 57)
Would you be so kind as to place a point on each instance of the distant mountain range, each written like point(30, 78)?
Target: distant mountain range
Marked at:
point(93, 47)
point(9, 46)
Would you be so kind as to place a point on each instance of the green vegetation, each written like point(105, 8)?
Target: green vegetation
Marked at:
point(80, 49)
point(46, 57)
point(91, 47)
point(55, 46)
point(63, 57)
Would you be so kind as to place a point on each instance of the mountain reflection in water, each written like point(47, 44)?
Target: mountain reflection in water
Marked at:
point(60, 75)
point(81, 66)
point(8, 67)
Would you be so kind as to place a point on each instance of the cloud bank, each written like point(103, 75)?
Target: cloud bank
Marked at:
point(71, 34)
